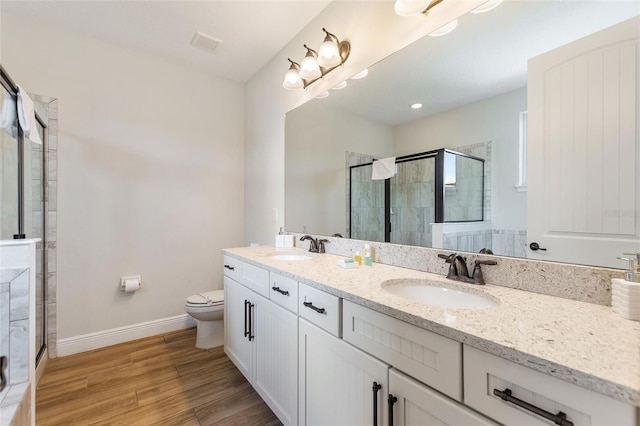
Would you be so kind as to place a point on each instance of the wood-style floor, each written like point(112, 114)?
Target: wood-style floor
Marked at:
point(160, 380)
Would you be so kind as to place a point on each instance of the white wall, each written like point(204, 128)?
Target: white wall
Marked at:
point(315, 164)
point(494, 119)
point(374, 31)
point(150, 174)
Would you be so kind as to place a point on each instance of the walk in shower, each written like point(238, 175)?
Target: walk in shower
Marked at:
point(24, 193)
point(440, 186)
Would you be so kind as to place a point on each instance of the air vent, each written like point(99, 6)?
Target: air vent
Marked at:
point(205, 42)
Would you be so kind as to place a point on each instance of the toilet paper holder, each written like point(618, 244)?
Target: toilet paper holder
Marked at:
point(131, 283)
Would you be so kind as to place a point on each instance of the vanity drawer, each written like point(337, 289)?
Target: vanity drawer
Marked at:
point(230, 266)
point(319, 308)
point(284, 291)
point(484, 373)
point(253, 277)
point(433, 359)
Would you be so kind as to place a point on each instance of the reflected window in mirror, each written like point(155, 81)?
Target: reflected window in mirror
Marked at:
point(522, 154)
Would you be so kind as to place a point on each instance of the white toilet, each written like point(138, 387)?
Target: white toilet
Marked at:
point(208, 311)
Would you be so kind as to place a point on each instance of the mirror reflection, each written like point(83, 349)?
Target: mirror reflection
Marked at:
point(472, 85)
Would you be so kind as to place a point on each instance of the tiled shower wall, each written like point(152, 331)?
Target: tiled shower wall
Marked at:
point(47, 108)
point(365, 207)
point(413, 202)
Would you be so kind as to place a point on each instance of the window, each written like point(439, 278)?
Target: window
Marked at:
point(522, 166)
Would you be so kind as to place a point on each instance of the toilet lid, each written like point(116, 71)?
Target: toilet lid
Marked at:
point(215, 297)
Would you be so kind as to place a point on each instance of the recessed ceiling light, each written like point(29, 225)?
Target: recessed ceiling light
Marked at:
point(205, 42)
point(416, 106)
point(361, 74)
point(322, 95)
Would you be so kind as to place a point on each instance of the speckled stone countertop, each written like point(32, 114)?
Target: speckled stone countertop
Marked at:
point(582, 343)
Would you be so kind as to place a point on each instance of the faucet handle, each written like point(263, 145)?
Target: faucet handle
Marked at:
point(478, 277)
point(321, 245)
point(485, 262)
point(447, 257)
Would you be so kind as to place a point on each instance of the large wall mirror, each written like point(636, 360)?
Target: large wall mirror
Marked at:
point(472, 84)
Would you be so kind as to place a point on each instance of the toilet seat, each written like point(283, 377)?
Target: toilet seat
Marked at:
point(208, 298)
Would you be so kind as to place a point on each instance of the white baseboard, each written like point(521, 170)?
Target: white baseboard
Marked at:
point(87, 342)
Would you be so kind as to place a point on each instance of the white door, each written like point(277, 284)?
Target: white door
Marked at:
point(236, 325)
point(336, 381)
point(276, 360)
point(416, 405)
point(583, 202)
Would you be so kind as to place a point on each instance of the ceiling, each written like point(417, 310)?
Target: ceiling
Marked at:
point(252, 32)
point(484, 56)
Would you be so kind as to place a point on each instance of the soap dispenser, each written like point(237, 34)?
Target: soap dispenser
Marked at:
point(625, 293)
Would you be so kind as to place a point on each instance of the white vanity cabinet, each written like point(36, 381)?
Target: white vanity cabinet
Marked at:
point(426, 356)
point(261, 339)
point(416, 404)
point(338, 383)
point(529, 395)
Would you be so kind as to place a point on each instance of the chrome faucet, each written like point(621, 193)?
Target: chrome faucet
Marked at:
point(458, 270)
point(633, 273)
point(313, 243)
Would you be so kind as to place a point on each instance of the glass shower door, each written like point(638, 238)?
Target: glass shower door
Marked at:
point(367, 205)
point(413, 202)
point(9, 185)
point(34, 226)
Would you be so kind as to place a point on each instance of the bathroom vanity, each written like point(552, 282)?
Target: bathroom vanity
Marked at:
point(327, 345)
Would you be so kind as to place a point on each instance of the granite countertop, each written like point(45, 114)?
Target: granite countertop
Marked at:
point(582, 343)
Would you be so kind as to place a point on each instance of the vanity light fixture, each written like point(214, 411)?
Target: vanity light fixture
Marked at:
point(309, 68)
point(340, 85)
point(445, 29)
point(414, 7)
point(315, 65)
point(361, 74)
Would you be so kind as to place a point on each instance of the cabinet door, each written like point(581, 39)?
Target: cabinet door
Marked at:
point(276, 361)
point(336, 381)
point(236, 322)
point(419, 405)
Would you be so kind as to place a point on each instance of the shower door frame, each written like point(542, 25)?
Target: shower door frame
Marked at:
point(12, 88)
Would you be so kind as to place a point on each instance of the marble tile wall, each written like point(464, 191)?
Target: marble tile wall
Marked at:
point(14, 325)
point(482, 150)
point(471, 241)
point(365, 200)
point(413, 203)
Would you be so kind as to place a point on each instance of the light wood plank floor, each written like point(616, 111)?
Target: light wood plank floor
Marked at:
point(160, 380)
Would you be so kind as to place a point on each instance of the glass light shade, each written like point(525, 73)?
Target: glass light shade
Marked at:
point(340, 85)
point(445, 29)
point(292, 80)
point(491, 4)
point(410, 7)
point(361, 74)
point(322, 95)
point(328, 54)
point(309, 68)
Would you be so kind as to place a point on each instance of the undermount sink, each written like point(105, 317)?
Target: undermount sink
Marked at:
point(290, 256)
point(431, 293)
